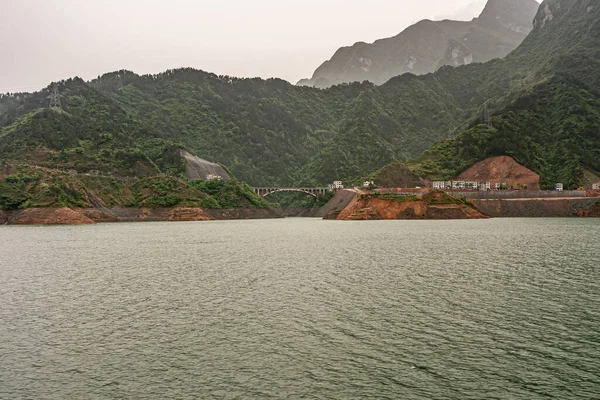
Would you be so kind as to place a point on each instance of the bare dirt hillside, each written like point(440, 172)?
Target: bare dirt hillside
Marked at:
point(434, 205)
point(502, 169)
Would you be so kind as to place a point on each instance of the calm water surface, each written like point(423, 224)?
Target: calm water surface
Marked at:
point(302, 309)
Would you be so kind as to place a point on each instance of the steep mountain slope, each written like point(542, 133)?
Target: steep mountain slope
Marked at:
point(550, 123)
point(542, 97)
point(428, 45)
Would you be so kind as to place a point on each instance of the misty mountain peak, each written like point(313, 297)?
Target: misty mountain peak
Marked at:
point(426, 46)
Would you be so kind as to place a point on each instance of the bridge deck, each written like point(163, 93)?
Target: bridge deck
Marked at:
point(315, 192)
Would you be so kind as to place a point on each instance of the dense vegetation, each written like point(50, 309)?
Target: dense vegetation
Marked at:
point(26, 186)
point(543, 99)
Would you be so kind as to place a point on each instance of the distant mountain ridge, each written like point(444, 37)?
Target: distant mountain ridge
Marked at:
point(428, 45)
point(539, 105)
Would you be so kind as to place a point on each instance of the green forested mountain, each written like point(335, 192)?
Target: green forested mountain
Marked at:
point(543, 99)
point(548, 121)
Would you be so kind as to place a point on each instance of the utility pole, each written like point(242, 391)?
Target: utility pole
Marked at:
point(120, 83)
point(487, 116)
point(55, 99)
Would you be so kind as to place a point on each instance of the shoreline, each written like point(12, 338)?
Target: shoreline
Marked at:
point(497, 208)
point(89, 216)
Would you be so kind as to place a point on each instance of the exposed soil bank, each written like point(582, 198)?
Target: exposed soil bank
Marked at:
point(67, 216)
point(370, 208)
point(244, 213)
point(502, 169)
point(590, 212)
point(338, 203)
point(47, 216)
point(303, 212)
point(539, 208)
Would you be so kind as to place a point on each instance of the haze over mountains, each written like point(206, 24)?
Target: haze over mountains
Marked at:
point(542, 99)
point(428, 45)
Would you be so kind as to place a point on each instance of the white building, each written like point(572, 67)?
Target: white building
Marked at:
point(559, 187)
point(596, 186)
point(472, 185)
point(459, 184)
point(368, 184)
point(213, 177)
point(485, 186)
point(439, 185)
point(338, 185)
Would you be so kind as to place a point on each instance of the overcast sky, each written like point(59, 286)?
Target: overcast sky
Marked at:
point(48, 40)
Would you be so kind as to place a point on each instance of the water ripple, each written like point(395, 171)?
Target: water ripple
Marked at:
point(302, 309)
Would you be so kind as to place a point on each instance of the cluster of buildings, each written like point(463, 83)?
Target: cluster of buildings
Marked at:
point(464, 185)
point(482, 186)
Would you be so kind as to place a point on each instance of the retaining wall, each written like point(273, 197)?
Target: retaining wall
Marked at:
point(518, 194)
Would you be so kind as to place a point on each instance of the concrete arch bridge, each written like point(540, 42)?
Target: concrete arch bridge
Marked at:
point(314, 192)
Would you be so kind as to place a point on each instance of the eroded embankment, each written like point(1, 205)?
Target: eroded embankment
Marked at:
point(429, 206)
point(591, 212)
point(537, 208)
point(79, 216)
point(296, 212)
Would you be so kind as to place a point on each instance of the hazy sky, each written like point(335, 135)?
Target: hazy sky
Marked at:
point(49, 40)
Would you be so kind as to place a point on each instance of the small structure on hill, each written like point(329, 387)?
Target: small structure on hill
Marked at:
point(368, 184)
point(596, 186)
point(338, 185)
point(559, 187)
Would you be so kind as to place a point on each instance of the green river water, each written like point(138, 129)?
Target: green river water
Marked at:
point(302, 309)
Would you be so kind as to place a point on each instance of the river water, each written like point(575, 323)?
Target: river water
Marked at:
point(302, 309)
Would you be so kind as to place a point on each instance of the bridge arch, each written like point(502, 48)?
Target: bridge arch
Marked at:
point(314, 192)
point(291, 191)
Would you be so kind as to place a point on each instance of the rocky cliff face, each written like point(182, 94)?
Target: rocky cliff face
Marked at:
point(199, 169)
point(428, 45)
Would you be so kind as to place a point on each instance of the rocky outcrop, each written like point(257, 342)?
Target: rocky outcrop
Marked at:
point(199, 169)
point(429, 206)
point(502, 169)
